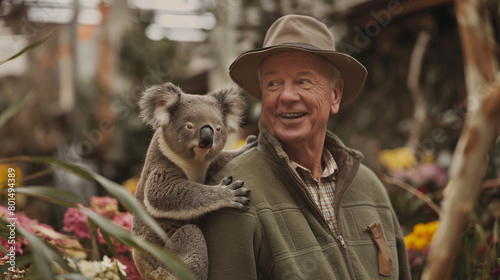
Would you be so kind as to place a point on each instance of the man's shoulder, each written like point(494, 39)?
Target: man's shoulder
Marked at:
point(366, 173)
point(247, 163)
point(367, 186)
point(242, 167)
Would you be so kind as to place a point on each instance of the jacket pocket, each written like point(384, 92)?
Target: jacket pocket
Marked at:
point(363, 250)
point(384, 259)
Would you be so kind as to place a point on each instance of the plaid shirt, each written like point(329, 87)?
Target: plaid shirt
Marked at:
point(322, 191)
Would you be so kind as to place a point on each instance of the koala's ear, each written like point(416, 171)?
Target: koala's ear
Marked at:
point(155, 102)
point(233, 106)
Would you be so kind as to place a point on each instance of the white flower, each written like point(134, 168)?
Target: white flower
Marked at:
point(87, 268)
point(103, 270)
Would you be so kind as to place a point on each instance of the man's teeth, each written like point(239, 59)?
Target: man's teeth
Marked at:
point(291, 115)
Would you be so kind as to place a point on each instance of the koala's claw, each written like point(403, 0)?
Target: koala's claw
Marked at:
point(237, 185)
point(226, 181)
point(241, 191)
point(238, 196)
point(243, 203)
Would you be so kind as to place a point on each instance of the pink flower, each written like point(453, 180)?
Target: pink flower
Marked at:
point(18, 246)
point(105, 206)
point(430, 173)
point(423, 174)
point(26, 222)
point(4, 211)
point(132, 272)
point(22, 220)
point(124, 220)
point(76, 221)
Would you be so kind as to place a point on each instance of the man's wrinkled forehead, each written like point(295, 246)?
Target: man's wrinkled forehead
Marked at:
point(275, 63)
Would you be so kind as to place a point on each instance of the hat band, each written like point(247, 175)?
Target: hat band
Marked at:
point(300, 45)
point(304, 46)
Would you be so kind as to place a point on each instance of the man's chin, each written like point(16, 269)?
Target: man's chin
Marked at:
point(291, 136)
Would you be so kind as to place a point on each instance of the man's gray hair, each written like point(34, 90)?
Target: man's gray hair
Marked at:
point(334, 72)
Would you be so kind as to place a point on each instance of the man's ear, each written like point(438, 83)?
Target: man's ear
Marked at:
point(337, 91)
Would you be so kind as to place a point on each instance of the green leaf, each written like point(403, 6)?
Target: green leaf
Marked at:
point(12, 110)
point(72, 276)
point(114, 189)
point(5, 251)
point(77, 170)
point(111, 247)
point(27, 48)
point(55, 195)
point(171, 260)
point(95, 253)
point(21, 261)
point(43, 255)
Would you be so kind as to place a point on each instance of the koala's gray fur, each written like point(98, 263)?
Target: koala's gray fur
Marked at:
point(179, 157)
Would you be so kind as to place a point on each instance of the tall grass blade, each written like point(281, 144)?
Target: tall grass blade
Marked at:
point(114, 189)
point(43, 255)
point(55, 195)
point(123, 236)
point(27, 48)
point(12, 110)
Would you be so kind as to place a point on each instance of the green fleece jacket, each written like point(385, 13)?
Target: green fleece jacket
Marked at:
point(284, 235)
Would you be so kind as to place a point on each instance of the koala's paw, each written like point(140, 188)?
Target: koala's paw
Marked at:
point(239, 197)
point(250, 142)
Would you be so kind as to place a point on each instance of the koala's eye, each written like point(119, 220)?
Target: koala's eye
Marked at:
point(217, 129)
point(189, 126)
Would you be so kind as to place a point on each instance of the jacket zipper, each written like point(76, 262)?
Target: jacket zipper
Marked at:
point(341, 240)
point(338, 196)
point(335, 234)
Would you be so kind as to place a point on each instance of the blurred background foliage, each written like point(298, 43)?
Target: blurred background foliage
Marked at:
point(87, 77)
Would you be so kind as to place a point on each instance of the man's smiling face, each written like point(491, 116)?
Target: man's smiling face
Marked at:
point(297, 96)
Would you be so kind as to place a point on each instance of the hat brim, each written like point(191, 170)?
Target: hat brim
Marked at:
point(243, 70)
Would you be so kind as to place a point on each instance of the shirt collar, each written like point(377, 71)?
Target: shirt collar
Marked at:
point(330, 164)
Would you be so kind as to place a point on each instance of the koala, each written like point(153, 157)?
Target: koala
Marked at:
point(187, 146)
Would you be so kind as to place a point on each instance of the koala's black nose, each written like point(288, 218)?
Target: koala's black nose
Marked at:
point(206, 137)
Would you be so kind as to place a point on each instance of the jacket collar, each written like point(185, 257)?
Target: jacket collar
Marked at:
point(270, 145)
point(348, 161)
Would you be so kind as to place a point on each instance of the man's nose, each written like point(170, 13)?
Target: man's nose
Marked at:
point(289, 93)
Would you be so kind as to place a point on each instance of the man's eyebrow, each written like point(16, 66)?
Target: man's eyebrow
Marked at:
point(272, 72)
point(305, 72)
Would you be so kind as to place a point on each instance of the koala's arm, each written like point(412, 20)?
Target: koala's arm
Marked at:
point(173, 196)
point(227, 155)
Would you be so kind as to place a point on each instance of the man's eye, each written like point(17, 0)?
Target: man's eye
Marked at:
point(303, 82)
point(272, 84)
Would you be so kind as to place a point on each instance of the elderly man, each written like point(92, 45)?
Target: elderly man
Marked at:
point(316, 212)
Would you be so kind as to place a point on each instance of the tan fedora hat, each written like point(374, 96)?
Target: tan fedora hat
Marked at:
point(300, 33)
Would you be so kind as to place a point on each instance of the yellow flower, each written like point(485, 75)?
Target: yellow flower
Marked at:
point(421, 244)
point(409, 241)
point(420, 230)
point(421, 237)
point(399, 158)
point(13, 172)
point(427, 157)
point(131, 184)
point(4, 175)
